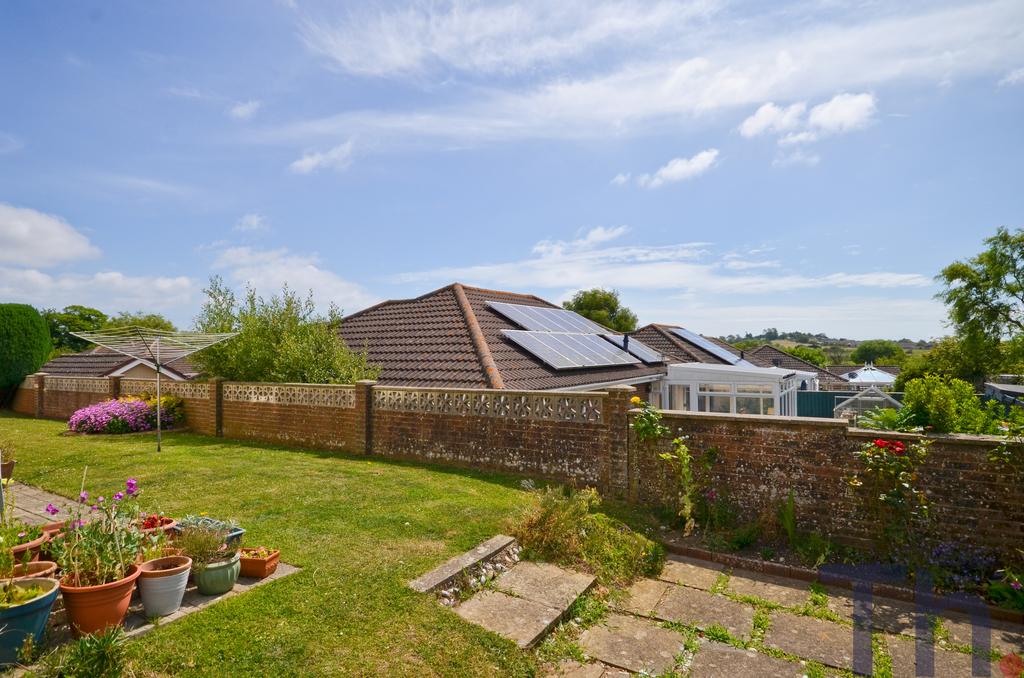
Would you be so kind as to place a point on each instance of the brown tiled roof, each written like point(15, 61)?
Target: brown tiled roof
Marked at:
point(769, 356)
point(429, 341)
point(841, 370)
point(100, 362)
point(678, 350)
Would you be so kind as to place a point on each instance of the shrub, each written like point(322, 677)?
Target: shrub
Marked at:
point(102, 655)
point(951, 406)
point(24, 343)
point(113, 416)
point(957, 566)
point(204, 545)
point(561, 527)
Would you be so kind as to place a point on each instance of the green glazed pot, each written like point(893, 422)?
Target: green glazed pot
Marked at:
point(217, 578)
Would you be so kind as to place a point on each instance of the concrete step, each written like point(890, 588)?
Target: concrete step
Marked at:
point(526, 602)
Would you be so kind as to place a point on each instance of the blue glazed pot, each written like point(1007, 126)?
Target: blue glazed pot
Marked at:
point(28, 619)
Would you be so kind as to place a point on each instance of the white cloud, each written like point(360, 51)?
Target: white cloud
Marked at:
point(491, 39)
point(337, 158)
point(252, 222)
point(843, 113)
point(108, 290)
point(793, 138)
point(683, 267)
point(9, 143)
point(268, 270)
point(1014, 77)
point(243, 110)
point(772, 118)
point(621, 179)
point(680, 169)
point(588, 240)
point(721, 64)
point(31, 238)
point(144, 185)
point(185, 92)
point(797, 157)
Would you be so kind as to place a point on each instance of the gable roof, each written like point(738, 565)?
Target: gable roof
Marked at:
point(662, 339)
point(770, 356)
point(102, 362)
point(451, 337)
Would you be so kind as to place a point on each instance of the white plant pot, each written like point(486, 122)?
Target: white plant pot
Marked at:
point(162, 591)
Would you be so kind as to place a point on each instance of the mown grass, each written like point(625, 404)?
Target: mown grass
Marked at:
point(360, 527)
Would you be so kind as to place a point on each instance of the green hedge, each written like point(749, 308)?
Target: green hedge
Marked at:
point(24, 343)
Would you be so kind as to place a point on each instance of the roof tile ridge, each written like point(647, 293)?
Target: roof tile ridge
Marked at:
point(483, 351)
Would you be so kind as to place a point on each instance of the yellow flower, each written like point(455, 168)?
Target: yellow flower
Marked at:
point(635, 400)
point(203, 513)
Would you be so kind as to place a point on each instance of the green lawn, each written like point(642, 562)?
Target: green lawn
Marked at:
point(359, 527)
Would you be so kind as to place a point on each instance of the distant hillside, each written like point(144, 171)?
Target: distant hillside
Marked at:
point(819, 340)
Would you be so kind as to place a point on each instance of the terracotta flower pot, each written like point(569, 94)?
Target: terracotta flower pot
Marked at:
point(162, 584)
point(95, 608)
point(254, 566)
point(166, 527)
point(53, 529)
point(32, 548)
point(39, 568)
point(7, 469)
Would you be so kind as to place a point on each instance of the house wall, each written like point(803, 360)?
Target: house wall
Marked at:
point(585, 438)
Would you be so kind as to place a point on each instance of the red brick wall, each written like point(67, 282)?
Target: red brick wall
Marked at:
point(62, 404)
point(763, 458)
point(300, 425)
point(24, 401)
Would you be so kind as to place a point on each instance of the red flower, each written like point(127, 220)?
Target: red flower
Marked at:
point(1011, 665)
point(898, 448)
point(881, 443)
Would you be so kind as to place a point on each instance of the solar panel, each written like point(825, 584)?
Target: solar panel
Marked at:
point(637, 348)
point(544, 319)
point(709, 346)
point(568, 350)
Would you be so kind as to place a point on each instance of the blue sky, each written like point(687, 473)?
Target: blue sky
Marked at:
point(725, 165)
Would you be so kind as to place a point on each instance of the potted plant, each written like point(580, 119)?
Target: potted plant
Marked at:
point(24, 541)
point(98, 560)
point(215, 562)
point(25, 606)
point(162, 584)
point(154, 522)
point(259, 562)
point(7, 458)
point(229, 527)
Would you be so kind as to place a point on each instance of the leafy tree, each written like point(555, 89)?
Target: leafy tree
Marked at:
point(880, 351)
point(280, 339)
point(985, 294)
point(770, 333)
point(153, 321)
point(603, 307)
point(24, 343)
point(745, 344)
point(72, 319)
point(951, 406)
point(967, 359)
point(808, 353)
point(837, 355)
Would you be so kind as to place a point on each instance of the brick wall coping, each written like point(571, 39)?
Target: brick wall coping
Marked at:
point(491, 391)
point(285, 383)
point(947, 438)
point(755, 418)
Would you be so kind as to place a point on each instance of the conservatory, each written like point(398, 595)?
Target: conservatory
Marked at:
point(732, 389)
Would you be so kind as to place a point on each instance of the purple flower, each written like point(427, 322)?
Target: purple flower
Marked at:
point(84, 497)
point(100, 500)
point(118, 496)
point(52, 510)
point(1015, 585)
point(94, 507)
point(132, 485)
point(78, 523)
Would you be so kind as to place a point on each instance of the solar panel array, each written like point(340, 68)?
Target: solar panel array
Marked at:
point(566, 340)
point(543, 319)
point(637, 348)
point(709, 346)
point(568, 350)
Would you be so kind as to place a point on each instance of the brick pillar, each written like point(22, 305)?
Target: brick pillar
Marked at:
point(217, 394)
point(364, 412)
point(615, 473)
point(40, 394)
point(114, 387)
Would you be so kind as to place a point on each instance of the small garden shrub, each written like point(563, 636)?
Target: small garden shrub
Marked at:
point(562, 527)
point(102, 655)
point(958, 566)
point(126, 415)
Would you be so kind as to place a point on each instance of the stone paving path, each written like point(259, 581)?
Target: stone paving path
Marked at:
point(702, 620)
point(30, 503)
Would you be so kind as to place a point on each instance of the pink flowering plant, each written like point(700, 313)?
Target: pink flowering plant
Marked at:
point(102, 539)
point(889, 485)
point(118, 416)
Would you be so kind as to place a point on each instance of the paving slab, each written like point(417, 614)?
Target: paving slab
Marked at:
point(518, 619)
point(643, 596)
point(633, 644)
point(689, 572)
point(945, 664)
point(544, 583)
point(571, 669)
point(785, 592)
point(1005, 637)
point(703, 609)
point(445, 572)
point(714, 660)
point(811, 638)
point(891, 616)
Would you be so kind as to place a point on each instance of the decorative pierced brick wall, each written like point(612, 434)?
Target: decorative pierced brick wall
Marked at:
point(298, 414)
point(198, 396)
point(542, 434)
point(763, 458)
point(64, 395)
